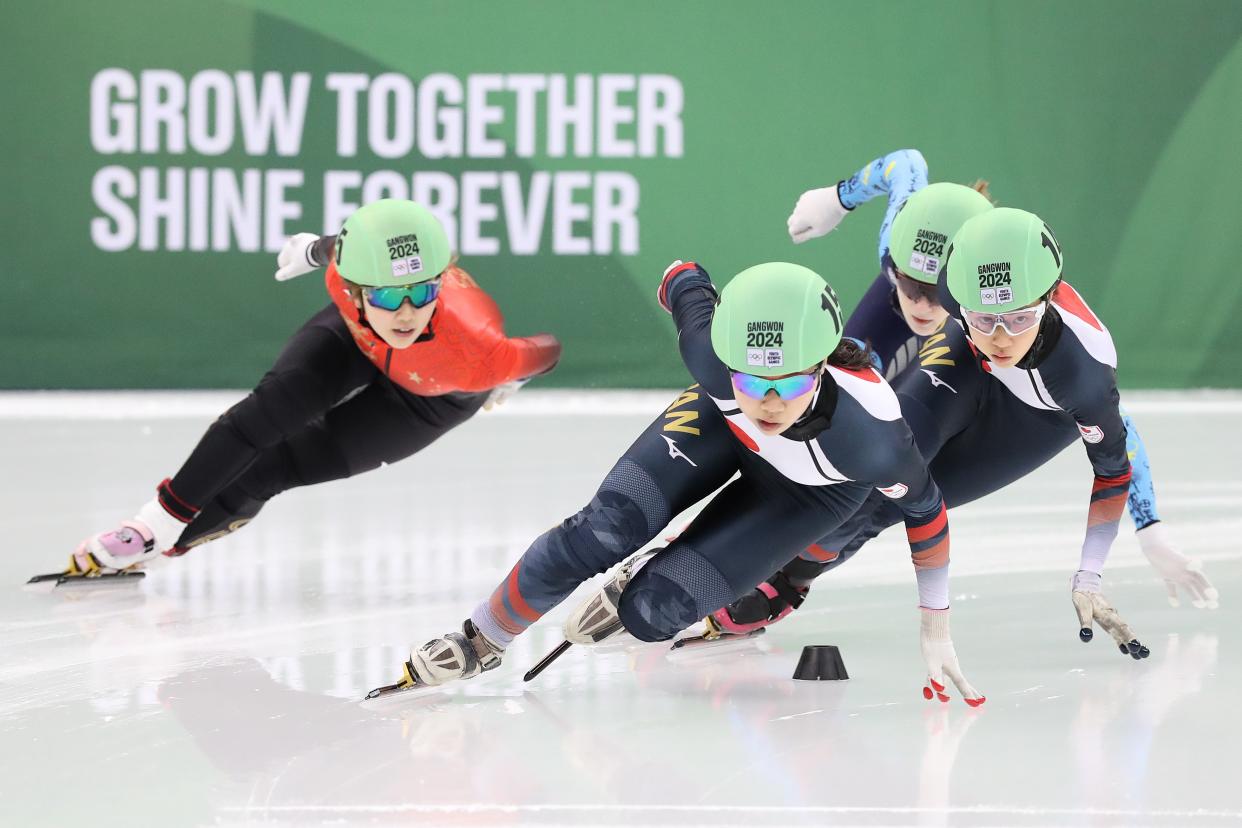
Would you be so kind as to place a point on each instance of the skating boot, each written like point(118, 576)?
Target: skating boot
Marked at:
point(596, 619)
point(457, 655)
point(766, 604)
point(119, 554)
point(114, 556)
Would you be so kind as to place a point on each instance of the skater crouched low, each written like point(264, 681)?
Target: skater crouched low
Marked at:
point(804, 418)
point(409, 348)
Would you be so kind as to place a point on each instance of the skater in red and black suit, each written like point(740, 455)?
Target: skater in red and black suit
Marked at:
point(409, 348)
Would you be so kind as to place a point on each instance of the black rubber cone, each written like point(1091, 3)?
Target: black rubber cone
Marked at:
point(821, 662)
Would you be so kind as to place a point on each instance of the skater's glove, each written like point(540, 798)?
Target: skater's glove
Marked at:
point(297, 257)
point(1177, 570)
point(816, 214)
point(503, 392)
point(671, 272)
point(941, 659)
point(1091, 605)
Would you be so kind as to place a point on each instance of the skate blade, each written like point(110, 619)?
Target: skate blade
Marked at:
point(701, 642)
point(54, 580)
point(546, 660)
point(389, 694)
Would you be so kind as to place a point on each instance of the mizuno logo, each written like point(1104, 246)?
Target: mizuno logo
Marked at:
point(675, 452)
point(936, 381)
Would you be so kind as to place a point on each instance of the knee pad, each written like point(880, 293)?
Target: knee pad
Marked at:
point(626, 512)
point(677, 588)
point(631, 481)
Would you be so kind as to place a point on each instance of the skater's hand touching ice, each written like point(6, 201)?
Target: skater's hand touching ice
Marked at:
point(817, 213)
point(297, 257)
point(1177, 570)
point(1091, 605)
point(941, 659)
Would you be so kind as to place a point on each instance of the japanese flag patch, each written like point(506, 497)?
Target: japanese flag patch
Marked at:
point(895, 491)
point(1091, 434)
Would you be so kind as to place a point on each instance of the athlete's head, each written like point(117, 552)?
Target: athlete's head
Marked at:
point(916, 246)
point(775, 326)
point(391, 254)
point(1002, 266)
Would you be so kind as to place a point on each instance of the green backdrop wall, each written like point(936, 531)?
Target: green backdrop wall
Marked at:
point(142, 205)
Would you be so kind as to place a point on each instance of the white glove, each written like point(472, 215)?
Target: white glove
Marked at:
point(941, 659)
point(1176, 569)
point(816, 214)
point(1091, 605)
point(503, 392)
point(294, 258)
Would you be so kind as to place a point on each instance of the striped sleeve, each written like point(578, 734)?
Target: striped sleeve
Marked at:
point(896, 175)
point(1108, 501)
point(929, 549)
point(911, 487)
point(1091, 398)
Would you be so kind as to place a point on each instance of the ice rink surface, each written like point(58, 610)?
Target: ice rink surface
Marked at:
point(225, 689)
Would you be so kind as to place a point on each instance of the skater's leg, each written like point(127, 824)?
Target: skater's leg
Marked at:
point(380, 424)
point(746, 530)
point(684, 455)
point(318, 367)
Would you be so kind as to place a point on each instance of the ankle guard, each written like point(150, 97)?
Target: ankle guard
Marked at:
point(769, 602)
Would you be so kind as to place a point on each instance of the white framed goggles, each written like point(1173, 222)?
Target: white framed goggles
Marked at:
point(1014, 322)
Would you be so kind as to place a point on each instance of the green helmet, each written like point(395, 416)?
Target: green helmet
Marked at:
point(391, 242)
point(925, 224)
point(776, 318)
point(1003, 260)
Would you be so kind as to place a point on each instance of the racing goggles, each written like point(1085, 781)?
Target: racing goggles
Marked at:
point(914, 290)
point(1014, 322)
point(390, 298)
point(787, 388)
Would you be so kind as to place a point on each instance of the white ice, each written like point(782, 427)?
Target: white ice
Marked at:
point(226, 688)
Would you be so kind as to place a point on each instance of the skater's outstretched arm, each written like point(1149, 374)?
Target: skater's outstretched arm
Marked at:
point(687, 292)
point(896, 175)
point(1179, 572)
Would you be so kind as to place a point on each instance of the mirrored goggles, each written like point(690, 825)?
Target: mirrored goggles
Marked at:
point(390, 298)
point(914, 290)
point(787, 388)
point(1014, 322)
